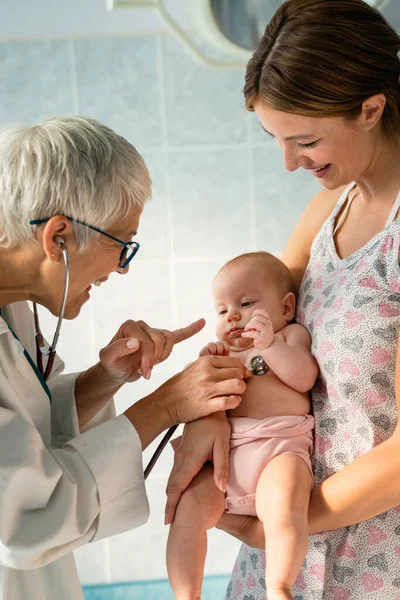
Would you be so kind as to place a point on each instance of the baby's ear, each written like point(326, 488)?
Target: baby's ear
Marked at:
point(289, 306)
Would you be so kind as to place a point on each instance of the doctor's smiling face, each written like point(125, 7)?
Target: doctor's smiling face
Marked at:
point(93, 265)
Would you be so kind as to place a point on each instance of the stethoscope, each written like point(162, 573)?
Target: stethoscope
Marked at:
point(258, 365)
point(40, 345)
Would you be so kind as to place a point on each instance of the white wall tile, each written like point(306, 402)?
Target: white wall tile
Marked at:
point(210, 202)
point(93, 563)
point(118, 83)
point(35, 80)
point(203, 105)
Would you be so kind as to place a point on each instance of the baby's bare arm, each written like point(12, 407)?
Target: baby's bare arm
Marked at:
point(289, 357)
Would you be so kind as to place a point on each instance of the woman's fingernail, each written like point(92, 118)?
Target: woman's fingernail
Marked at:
point(147, 375)
point(132, 343)
point(167, 520)
point(222, 485)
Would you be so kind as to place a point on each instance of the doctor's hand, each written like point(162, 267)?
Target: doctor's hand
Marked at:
point(137, 347)
point(208, 385)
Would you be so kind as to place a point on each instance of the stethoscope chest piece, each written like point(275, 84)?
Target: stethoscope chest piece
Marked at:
point(258, 366)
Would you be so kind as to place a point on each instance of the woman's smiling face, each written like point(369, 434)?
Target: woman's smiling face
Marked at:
point(336, 151)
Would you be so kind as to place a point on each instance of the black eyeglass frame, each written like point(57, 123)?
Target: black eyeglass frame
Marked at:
point(132, 245)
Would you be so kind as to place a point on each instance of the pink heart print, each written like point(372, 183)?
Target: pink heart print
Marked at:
point(374, 398)
point(347, 366)
point(385, 310)
point(346, 549)
point(376, 536)
point(316, 305)
point(326, 347)
point(379, 356)
point(318, 321)
point(337, 305)
point(353, 319)
point(251, 582)
point(322, 445)
point(369, 282)
point(397, 550)
point(387, 244)
point(370, 583)
point(332, 392)
point(300, 581)
point(318, 571)
point(363, 263)
point(318, 283)
point(339, 593)
point(239, 587)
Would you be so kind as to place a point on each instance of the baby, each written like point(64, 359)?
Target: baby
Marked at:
point(270, 472)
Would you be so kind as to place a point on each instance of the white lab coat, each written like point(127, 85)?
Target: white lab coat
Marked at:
point(59, 488)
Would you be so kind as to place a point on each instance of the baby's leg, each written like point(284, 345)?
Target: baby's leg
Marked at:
point(282, 498)
point(199, 509)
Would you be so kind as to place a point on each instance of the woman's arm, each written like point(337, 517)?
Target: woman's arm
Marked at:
point(367, 487)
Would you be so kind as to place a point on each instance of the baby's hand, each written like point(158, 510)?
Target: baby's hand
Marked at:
point(215, 349)
point(260, 329)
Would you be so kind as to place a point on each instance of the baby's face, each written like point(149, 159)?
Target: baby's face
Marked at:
point(238, 290)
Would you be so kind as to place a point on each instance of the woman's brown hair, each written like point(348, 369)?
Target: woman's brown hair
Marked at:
point(325, 58)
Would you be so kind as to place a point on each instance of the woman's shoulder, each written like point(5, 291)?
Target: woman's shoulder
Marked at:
point(297, 252)
point(321, 206)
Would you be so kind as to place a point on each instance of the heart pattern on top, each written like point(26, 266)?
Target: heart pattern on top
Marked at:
point(354, 330)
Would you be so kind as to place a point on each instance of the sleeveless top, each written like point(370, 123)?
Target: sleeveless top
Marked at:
point(351, 307)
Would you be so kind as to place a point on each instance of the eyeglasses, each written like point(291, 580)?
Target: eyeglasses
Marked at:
point(128, 251)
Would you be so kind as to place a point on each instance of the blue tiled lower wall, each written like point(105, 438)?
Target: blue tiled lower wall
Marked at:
point(213, 589)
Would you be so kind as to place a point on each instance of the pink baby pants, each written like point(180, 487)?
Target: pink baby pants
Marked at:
point(254, 442)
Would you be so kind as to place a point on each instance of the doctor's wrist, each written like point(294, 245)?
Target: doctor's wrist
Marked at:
point(149, 417)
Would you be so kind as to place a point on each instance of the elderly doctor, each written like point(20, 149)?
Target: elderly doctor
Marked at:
point(71, 195)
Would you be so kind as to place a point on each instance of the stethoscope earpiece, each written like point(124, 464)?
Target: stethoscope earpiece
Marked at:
point(59, 241)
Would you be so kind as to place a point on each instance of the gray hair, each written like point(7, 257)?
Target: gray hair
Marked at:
point(72, 166)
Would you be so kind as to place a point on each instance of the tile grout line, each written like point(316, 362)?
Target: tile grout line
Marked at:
point(74, 80)
point(205, 147)
point(252, 188)
point(164, 133)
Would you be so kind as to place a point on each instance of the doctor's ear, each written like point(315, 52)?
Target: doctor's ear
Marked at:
point(54, 235)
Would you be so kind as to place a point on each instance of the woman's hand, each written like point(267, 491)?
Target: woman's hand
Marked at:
point(137, 347)
point(202, 440)
point(244, 528)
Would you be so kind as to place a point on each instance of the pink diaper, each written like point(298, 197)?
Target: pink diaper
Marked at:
point(254, 442)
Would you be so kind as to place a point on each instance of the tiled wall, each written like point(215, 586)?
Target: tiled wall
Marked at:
point(220, 189)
